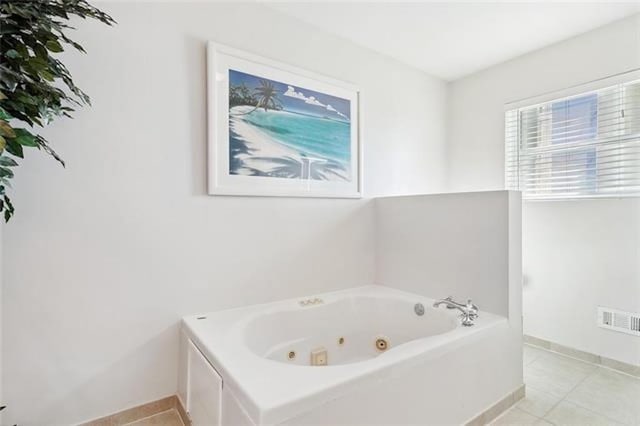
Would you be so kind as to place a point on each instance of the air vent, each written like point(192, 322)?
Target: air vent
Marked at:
point(613, 319)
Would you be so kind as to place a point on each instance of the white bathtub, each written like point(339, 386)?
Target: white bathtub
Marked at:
point(262, 355)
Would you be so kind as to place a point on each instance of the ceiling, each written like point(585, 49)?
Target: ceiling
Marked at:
point(451, 40)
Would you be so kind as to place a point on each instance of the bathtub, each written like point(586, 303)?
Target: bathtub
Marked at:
point(384, 363)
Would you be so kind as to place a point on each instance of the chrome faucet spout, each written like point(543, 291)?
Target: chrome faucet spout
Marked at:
point(451, 304)
point(469, 311)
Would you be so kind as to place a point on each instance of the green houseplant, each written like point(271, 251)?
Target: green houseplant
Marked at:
point(35, 86)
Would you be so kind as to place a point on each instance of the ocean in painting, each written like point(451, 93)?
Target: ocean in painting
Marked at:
point(278, 130)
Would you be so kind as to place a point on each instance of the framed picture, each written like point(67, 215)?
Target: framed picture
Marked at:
point(276, 130)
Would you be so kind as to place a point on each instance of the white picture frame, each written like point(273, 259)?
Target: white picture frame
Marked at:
point(298, 146)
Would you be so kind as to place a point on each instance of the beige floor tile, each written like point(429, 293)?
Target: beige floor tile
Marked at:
point(568, 414)
point(556, 374)
point(515, 417)
point(530, 354)
point(167, 418)
point(614, 395)
point(537, 402)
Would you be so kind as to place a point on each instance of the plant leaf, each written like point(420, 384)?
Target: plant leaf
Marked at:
point(54, 46)
point(8, 208)
point(6, 130)
point(4, 115)
point(44, 145)
point(46, 75)
point(8, 162)
point(4, 172)
point(12, 53)
point(25, 138)
point(40, 51)
point(14, 148)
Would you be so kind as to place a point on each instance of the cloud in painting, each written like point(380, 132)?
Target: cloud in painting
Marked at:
point(291, 92)
point(332, 109)
point(311, 100)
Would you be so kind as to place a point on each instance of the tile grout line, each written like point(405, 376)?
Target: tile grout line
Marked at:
point(597, 368)
point(549, 410)
point(514, 407)
point(586, 408)
point(153, 415)
point(564, 398)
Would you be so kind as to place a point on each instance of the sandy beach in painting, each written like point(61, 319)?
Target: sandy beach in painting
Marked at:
point(260, 144)
point(263, 154)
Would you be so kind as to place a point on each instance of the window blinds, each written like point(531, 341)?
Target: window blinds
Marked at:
point(583, 146)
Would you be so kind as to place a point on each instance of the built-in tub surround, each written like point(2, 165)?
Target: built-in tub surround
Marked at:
point(263, 354)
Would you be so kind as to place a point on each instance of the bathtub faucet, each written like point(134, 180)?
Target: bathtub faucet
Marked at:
point(469, 311)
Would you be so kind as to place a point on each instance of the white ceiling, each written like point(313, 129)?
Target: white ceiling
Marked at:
point(451, 40)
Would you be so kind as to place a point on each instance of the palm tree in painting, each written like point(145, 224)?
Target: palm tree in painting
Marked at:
point(267, 97)
point(240, 95)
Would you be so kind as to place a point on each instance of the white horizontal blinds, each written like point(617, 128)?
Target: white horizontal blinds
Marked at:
point(586, 145)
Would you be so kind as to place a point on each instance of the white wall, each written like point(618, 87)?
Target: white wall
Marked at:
point(452, 245)
point(462, 245)
point(104, 257)
point(577, 255)
point(1, 270)
point(580, 255)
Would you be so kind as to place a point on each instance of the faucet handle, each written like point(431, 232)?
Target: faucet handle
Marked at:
point(472, 309)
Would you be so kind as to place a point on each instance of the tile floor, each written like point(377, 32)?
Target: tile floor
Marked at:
point(565, 391)
point(166, 418)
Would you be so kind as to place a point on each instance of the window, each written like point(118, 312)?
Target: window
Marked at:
point(583, 146)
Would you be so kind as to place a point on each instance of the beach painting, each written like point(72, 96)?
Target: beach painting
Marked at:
point(285, 133)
